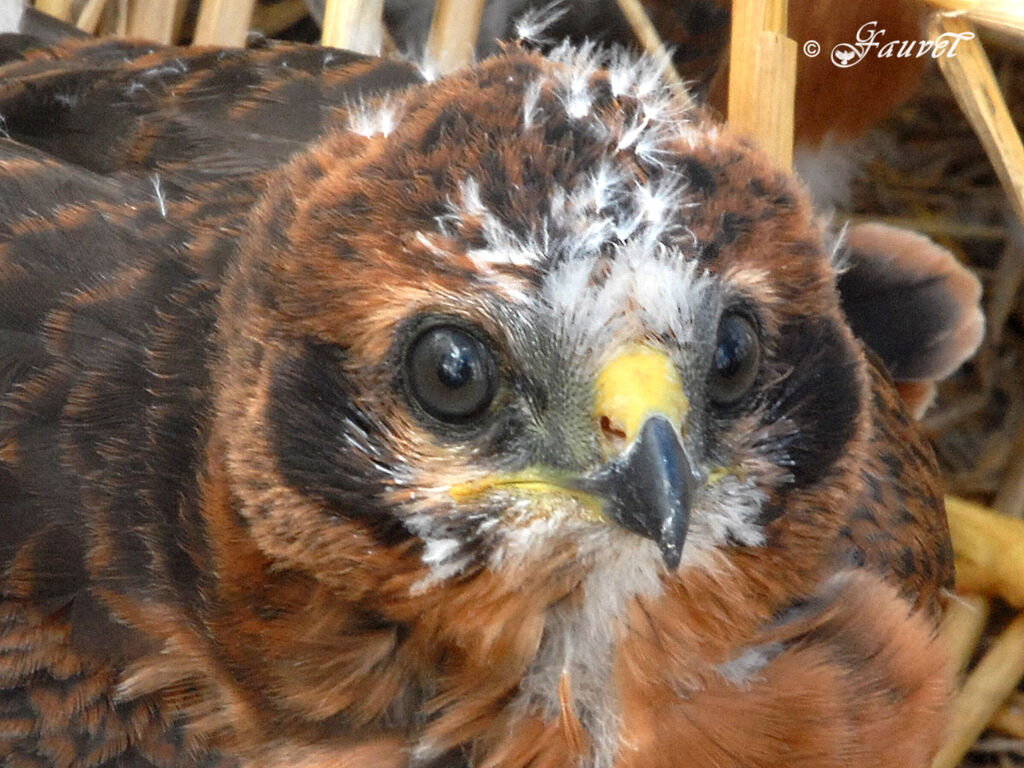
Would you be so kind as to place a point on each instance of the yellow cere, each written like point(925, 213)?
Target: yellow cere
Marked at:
point(640, 381)
point(543, 486)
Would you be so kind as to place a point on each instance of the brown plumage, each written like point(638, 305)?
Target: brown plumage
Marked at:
point(252, 516)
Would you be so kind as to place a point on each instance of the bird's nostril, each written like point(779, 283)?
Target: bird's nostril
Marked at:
point(612, 429)
point(613, 436)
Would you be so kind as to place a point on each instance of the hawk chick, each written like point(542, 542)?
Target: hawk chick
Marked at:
point(511, 419)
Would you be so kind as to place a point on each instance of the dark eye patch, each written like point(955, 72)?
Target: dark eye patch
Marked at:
point(820, 395)
point(315, 428)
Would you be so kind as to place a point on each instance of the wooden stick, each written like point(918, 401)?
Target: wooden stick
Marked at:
point(647, 35)
point(121, 27)
point(974, 84)
point(776, 74)
point(156, 20)
point(59, 9)
point(762, 76)
point(453, 33)
point(223, 22)
point(1003, 15)
point(962, 628)
point(985, 689)
point(272, 19)
point(357, 25)
point(90, 15)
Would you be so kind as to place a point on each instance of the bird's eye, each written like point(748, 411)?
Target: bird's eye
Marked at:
point(451, 374)
point(736, 360)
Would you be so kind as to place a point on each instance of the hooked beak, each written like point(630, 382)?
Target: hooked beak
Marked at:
point(647, 482)
point(649, 489)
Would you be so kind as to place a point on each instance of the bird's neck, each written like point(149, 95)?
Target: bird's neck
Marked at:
point(434, 668)
point(537, 651)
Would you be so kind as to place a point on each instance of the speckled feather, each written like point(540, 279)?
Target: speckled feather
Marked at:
point(227, 538)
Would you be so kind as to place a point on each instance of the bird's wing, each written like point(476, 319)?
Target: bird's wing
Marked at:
point(128, 170)
point(191, 115)
point(58, 245)
point(101, 375)
point(127, 173)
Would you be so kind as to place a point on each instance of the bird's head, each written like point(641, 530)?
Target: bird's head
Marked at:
point(541, 314)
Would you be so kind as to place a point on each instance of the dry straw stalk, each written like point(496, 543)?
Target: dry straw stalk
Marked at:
point(60, 9)
point(272, 19)
point(357, 25)
point(762, 76)
point(1003, 15)
point(982, 694)
point(157, 20)
point(223, 22)
point(962, 628)
point(974, 84)
point(90, 15)
point(989, 551)
point(453, 32)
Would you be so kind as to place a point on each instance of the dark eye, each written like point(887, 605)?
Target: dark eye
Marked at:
point(736, 361)
point(451, 374)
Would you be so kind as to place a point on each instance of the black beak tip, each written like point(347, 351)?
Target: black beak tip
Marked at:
point(673, 536)
point(650, 489)
point(670, 554)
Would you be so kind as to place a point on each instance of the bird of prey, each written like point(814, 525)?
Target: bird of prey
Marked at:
point(524, 417)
